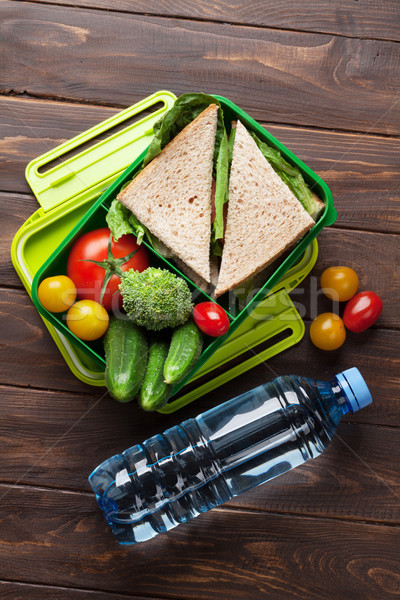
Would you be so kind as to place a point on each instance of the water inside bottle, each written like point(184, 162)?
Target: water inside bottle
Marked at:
point(191, 468)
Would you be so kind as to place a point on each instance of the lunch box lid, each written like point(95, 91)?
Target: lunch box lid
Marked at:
point(97, 165)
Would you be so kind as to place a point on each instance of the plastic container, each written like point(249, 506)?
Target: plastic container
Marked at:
point(272, 327)
point(95, 217)
point(203, 462)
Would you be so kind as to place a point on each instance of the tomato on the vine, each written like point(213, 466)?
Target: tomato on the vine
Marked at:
point(327, 331)
point(211, 318)
point(362, 311)
point(89, 276)
point(88, 320)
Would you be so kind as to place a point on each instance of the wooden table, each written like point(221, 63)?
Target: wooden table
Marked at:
point(321, 75)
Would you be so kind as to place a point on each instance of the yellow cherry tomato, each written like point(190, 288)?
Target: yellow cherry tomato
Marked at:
point(327, 331)
point(339, 283)
point(57, 293)
point(87, 319)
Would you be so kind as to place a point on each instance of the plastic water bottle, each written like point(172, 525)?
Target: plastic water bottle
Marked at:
point(203, 462)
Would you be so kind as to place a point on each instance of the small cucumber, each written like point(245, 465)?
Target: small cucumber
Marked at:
point(154, 391)
point(125, 348)
point(184, 352)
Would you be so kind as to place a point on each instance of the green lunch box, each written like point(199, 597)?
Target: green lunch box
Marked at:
point(74, 197)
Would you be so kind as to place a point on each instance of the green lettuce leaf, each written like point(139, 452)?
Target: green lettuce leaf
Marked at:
point(230, 146)
point(185, 109)
point(121, 221)
point(221, 189)
point(118, 220)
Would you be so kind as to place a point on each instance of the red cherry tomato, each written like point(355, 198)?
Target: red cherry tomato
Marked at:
point(211, 319)
point(88, 277)
point(362, 311)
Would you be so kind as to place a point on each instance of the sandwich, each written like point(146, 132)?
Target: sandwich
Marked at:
point(222, 210)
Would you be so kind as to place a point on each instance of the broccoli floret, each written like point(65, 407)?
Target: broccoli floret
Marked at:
point(156, 298)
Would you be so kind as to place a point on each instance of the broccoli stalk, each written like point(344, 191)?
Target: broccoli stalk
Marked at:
point(156, 298)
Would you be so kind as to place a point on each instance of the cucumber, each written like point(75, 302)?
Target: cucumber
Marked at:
point(125, 347)
point(184, 352)
point(154, 391)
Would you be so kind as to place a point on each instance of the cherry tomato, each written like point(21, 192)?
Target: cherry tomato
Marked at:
point(362, 311)
point(339, 283)
point(89, 277)
point(57, 293)
point(327, 331)
point(211, 319)
point(87, 319)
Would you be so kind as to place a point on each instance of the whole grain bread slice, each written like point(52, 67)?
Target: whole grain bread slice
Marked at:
point(172, 195)
point(264, 217)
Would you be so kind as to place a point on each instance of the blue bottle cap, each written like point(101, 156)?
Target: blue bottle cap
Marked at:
point(355, 388)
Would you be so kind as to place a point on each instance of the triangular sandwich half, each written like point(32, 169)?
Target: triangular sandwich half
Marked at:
point(172, 195)
point(264, 217)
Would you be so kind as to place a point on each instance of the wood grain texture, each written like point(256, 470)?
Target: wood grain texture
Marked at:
point(363, 18)
point(28, 355)
point(376, 259)
point(363, 172)
point(278, 76)
point(63, 538)
point(29, 128)
point(15, 209)
point(23, 591)
point(328, 530)
point(40, 438)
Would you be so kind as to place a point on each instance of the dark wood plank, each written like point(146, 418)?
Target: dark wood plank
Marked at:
point(30, 128)
point(28, 355)
point(57, 439)
point(52, 537)
point(376, 259)
point(21, 591)
point(15, 210)
point(365, 18)
point(363, 172)
point(279, 76)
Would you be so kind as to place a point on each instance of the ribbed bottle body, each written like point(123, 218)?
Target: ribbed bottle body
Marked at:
point(152, 487)
point(203, 462)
